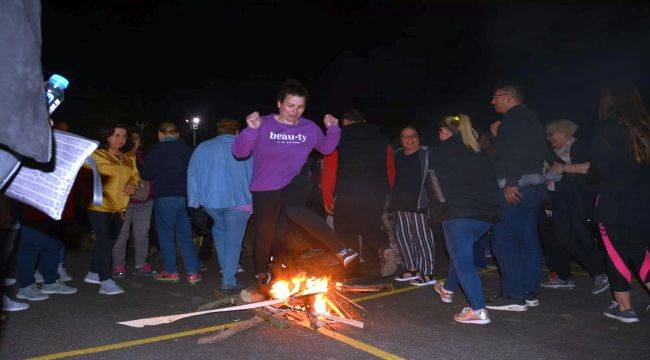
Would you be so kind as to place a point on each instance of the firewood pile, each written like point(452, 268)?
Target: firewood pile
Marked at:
point(307, 301)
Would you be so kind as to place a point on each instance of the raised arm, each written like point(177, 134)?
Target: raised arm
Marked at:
point(330, 141)
point(245, 141)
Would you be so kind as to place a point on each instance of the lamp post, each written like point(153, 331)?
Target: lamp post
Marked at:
point(194, 124)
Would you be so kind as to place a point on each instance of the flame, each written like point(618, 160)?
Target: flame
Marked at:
point(320, 305)
point(280, 290)
point(283, 289)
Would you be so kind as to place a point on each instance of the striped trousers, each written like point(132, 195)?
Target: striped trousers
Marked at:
point(414, 240)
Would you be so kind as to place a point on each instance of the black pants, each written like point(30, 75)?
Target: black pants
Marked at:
point(626, 244)
point(267, 206)
point(356, 216)
point(106, 227)
point(573, 238)
point(590, 258)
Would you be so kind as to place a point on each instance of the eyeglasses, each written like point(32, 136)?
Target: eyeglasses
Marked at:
point(497, 95)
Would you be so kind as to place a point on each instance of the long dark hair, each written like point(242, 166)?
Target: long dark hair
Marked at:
point(621, 101)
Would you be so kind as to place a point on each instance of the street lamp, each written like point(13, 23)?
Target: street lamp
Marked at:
point(194, 124)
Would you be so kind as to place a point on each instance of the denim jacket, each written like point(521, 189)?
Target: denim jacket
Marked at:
point(215, 178)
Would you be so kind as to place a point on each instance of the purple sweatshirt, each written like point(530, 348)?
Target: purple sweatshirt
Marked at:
point(280, 150)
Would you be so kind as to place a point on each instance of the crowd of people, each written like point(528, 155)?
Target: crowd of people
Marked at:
point(528, 192)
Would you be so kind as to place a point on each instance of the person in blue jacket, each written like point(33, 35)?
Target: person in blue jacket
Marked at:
point(219, 182)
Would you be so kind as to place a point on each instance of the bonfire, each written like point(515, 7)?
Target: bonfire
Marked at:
point(312, 301)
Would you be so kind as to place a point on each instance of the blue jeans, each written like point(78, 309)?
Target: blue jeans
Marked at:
point(479, 251)
point(35, 243)
point(516, 244)
point(173, 222)
point(228, 233)
point(460, 236)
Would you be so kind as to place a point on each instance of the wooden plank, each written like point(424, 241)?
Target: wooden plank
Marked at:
point(365, 288)
point(350, 322)
point(351, 301)
point(171, 318)
point(233, 330)
point(349, 311)
point(276, 319)
point(225, 301)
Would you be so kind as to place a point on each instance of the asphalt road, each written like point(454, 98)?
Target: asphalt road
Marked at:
point(411, 324)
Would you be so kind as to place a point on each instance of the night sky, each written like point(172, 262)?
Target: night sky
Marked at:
point(401, 63)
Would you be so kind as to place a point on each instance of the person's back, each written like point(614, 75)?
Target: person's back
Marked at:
point(467, 180)
point(361, 160)
point(166, 166)
point(359, 171)
point(216, 179)
point(623, 187)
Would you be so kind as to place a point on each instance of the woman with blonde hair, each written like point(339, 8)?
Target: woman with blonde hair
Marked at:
point(469, 186)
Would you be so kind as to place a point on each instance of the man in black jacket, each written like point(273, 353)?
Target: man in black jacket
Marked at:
point(520, 143)
point(358, 168)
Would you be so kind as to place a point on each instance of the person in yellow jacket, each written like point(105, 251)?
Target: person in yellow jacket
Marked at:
point(120, 179)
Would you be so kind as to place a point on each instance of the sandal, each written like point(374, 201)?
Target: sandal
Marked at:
point(424, 280)
point(408, 276)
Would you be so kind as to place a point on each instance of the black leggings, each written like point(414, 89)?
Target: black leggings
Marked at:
point(106, 227)
point(267, 206)
point(626, 245)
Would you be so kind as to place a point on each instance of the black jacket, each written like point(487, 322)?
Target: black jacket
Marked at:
point(520, 145)
point(166, 165)
point(467, 180)
point(361, 161)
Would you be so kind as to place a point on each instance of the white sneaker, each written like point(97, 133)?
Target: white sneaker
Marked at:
point(31, 293)
point(63, 274)
point(109, 287)
point(10, 305)
point(92, 278)
point(424, 280)
point(38, 278)
point(10, 281)
point(58, 287)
